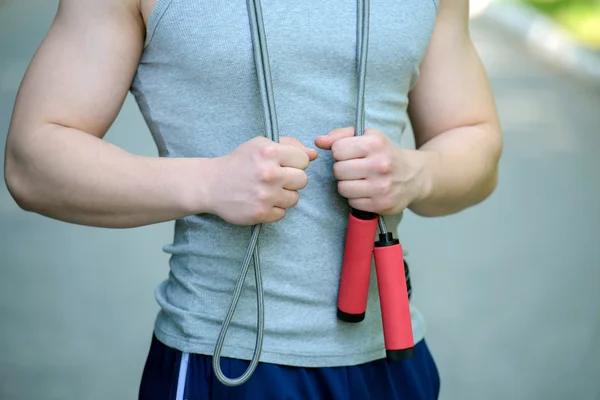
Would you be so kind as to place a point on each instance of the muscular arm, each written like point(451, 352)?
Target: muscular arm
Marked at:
point(454, 118)
point(56, 161)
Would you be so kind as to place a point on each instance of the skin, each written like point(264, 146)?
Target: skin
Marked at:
point(57, 164)
point(455, 165)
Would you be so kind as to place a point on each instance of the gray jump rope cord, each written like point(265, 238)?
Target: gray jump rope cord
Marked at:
point(261, 60)
point(362, 49)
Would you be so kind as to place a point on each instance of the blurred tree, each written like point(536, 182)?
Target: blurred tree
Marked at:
point(581, 18)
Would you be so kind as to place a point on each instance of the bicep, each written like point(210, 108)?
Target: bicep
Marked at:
point(82, 71)
point(453, 89)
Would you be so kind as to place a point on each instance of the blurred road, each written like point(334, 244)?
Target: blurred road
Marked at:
point(510, 289)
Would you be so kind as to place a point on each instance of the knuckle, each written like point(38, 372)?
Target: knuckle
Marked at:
point(303, 180)
point(342, 188)
point(268, 174)
point(305, 160)
point(384, 166)
point(337, 170)
point(279, 216)
point(260, 213)
point(385, 187)
point(376, 143)
point(294, 199)
point(268, 150)
point(263, 196)
point(335, 150)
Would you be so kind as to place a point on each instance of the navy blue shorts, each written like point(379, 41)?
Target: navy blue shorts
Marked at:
point(171, 375)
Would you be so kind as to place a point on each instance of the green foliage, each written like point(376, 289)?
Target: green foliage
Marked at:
point(581, 18)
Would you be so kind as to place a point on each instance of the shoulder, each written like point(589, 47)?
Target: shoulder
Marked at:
point(117, 9)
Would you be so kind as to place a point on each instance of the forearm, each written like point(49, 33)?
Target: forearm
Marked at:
point(71, 176)
point(459, 171)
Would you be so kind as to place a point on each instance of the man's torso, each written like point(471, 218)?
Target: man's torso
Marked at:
point(196, 87)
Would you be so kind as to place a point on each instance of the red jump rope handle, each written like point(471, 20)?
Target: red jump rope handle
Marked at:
point(356, 267)
point(395, 309)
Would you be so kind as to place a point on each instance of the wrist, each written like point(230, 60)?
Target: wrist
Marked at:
point(428, 163)
point(197, 185)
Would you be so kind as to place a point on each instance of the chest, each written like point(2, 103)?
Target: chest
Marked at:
point(311, 37)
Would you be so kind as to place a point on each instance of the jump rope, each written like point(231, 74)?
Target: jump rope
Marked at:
point(392, 273)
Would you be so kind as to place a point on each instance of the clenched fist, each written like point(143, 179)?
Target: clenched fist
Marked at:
point(259, 180)
point(374, 174)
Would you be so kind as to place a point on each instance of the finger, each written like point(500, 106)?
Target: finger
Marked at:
point(351, 169)
point(291, 156)
point(350, 148)
point(287, 199)
point(326, 141)
point(275, 214)
point(363, 204)
point(290, 141)
point(294, 179)
point(312, 154)
point(354, 189)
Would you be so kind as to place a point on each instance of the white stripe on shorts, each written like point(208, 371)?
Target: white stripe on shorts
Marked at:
point(183, 368)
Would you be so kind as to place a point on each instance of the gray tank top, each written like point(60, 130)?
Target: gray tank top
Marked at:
point(196, 87)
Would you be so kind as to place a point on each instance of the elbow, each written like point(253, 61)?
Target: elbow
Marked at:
point(492, 178)
point(487, 188)
point(17, 182)
point(488, 181)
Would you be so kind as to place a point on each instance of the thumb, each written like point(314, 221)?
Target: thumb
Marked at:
point(325, 142)
point(290, 141)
